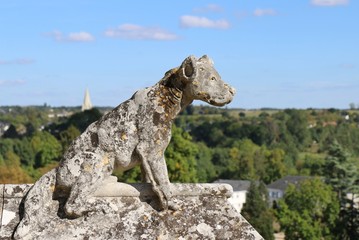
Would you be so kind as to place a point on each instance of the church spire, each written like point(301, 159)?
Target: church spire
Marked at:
point(86, 105)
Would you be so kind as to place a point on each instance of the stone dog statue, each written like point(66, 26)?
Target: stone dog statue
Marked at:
point(136, 132)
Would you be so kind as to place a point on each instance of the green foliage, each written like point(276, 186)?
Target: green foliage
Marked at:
point(274, 165)
point(250, 161)
point(24, 149)
point(210, 143)
point(46, 147)
point(221, 161)
point(256, 210)
point(24, 116)
point(342, 174)
point(309, 211)
point(6, 145)
point(242, 163)
point(348, 135)
point(67, 136)
point(2, 161)
point(11, 132)
point(205, 169)
point(181, 157)
point(79, 120)
point(297, 125)
point(314, 164)
point(131, 176)
point(11, 171)
point(82, 120)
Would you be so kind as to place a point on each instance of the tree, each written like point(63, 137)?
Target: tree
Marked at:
point(131, 176)
point(221, 161)
point(11, 132)
point(6, 145)
point(242, 164)
point(313, 164)
point(67, 136)
point(256, 210)
point(297, 125)
point(25, 151)
point(189, 110)
point(274, 165)
point(343, 175)
point(83, 119)
point(206, 171)
point(242, 114)
point(352, 106)
point(80, 120)
point(309, 211)
point(348, 135)
point(11, 172)
point(181, 157)
point(46, 148)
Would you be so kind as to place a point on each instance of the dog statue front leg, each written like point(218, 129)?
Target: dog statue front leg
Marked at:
point(155, 171)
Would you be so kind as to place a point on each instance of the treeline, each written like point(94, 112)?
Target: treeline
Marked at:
point(211, 143)
point(266, 146)
point(207, 144)
point(32, 144)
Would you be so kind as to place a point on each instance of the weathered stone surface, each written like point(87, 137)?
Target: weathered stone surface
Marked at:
point(137, 132)
point(203, 214)
point(16, 190)
point(1, 203)
point(112, 188)
point(12, 195)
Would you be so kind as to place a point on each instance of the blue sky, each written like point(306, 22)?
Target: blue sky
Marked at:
point(276, 53)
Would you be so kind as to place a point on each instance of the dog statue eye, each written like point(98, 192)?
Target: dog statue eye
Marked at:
point(213, 78)
point(202, 69)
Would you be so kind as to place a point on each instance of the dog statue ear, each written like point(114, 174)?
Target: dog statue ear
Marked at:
point(189, 68)
point(206, 59)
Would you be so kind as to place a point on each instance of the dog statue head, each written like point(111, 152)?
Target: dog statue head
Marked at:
point(202, 82)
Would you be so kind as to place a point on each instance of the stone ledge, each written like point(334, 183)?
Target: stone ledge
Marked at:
point(15, 190)
point(1, 204)
point(112, 188)
point(204, 213)
point(10, 198)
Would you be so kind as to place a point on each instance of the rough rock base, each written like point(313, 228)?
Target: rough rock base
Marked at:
point(204, 213)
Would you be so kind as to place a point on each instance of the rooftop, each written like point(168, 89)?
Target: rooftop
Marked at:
point(237, 185)
point(283, 183)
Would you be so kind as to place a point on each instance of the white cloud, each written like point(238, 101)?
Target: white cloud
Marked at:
point(209, 8)
point(137, 32)
point(264, 12)
point(20, 61)
point(11, 82)
point(80, 37)
point(202, 22)
point(329, 3)
point(71, 37)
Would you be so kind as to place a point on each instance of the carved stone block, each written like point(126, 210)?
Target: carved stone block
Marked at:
point(11, 196)
point(1, 204)
point(132, 213)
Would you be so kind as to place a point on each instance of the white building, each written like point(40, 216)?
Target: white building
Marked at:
point(277, 188)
